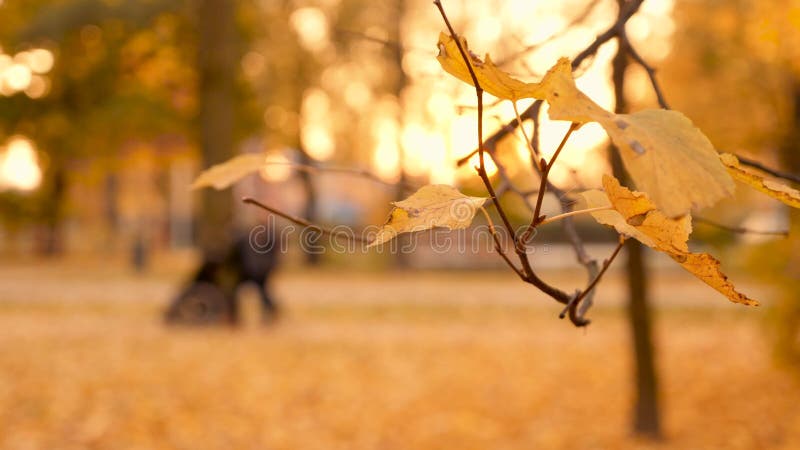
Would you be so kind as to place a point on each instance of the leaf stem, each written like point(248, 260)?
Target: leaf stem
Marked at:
point(574, 213)
point(545, 172)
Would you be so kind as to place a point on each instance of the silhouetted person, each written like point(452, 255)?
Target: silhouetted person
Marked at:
point(211, 296)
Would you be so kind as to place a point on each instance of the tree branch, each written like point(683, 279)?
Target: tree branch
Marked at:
point(303, 222)
point(740, 230)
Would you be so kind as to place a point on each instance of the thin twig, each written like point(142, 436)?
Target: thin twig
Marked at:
point(574, 213)
point(651, 71)
point(575, 21)
point(308, 168)
point(545, 171)
point(481, 157)
point(740, 230)
point(775, 173)
point(303, 222)
point(606, 264)
point(497, 244)
point(519, 249)
point(364, 36)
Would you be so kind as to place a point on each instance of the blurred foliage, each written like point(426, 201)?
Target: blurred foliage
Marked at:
point(746, 53)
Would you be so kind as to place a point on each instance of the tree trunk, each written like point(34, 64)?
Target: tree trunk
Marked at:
point(216, 61)
point(312, 258)
point(51, 241)
point(395, 47)
point(788, 328)
point(646, 411)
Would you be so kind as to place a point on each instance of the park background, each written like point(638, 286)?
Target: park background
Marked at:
point(103, 128)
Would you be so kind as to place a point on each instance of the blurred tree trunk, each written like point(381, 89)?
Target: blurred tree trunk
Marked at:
point(789, 306)
point(397, 12)
point(312, 258)
point(51, 240)
point(646, 410)
point(216, 60)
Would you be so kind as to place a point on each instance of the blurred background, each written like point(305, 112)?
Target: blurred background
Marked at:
point(110, 108)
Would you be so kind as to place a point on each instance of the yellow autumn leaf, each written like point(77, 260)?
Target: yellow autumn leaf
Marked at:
point(670, 159)
point(565, 100)
point(220, 176)
point(436, 205)
point(634, 215)
point(665, 154)
point(491, 78)
point(753, 179)
point(706, 268)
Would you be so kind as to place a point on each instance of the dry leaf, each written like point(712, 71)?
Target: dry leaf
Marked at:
point(634, 215)
point(706, 267)
point(670, 159)
point(436, 205)
point(491, 78)
point(665, 154)
point(565, 100)
point(753, 179)
point(220, 176)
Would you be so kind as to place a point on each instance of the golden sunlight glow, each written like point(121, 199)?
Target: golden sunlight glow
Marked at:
point(315, 133)
point(38, 87)
point(317, 141)
point(311, 26)
point(24, 72)
point(385, 155)
point(19, 168)
point(414, 141)
point(40, 60)
point(17, 76)
point(5, 61)
point(491, 167)
point(277, 168)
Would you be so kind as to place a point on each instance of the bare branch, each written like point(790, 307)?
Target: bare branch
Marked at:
point(497, 245)
point(651, 72)
point(575, 21)
point(308, 168)
point(303, 222)
point(545, 171)
point(740, 230)
point(575, 301)
point(775, 173)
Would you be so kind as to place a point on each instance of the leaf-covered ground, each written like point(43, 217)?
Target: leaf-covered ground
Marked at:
point(417, 361)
